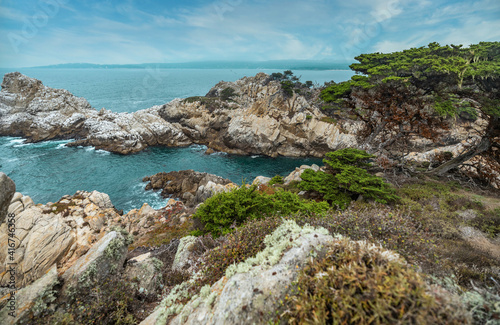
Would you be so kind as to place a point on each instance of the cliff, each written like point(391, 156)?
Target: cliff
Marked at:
point(257, 119)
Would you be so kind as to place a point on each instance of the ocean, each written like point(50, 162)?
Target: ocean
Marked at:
point(48, 170)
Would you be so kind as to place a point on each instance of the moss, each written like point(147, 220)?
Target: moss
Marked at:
point(328, 119)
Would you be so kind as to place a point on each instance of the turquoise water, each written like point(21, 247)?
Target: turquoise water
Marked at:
point(129, 90)
point(46, 171)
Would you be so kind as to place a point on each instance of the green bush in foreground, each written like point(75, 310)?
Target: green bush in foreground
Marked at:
point(227, 210)
point(346, 179)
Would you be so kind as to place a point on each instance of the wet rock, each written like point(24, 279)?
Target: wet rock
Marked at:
point(190, 186)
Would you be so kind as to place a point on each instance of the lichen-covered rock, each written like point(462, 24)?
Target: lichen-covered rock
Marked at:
point(251, 291)
point(29, 300)
point(104, 258)
point(182, 257)
point(146, 272)
point(7, 190)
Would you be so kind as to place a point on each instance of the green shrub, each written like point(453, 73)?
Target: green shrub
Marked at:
point(346, 179)
point(227, 93)
point(110, 302)
point(227, 210)
point(489, 222)
point(358, 284)
point(278, 179)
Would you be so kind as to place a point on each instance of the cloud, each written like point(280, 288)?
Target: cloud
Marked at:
point(133, 31)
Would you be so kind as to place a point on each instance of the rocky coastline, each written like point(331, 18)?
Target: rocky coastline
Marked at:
point(75, 256)
point(257, 119)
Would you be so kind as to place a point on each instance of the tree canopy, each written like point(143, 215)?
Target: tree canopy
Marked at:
point(420, 91)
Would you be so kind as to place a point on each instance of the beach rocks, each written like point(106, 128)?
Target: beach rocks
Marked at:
point(7, 190)
point(190, 186)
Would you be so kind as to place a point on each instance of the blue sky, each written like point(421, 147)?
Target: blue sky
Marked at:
point(43, 32)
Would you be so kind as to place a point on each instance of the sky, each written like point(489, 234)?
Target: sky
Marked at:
point(45, 32)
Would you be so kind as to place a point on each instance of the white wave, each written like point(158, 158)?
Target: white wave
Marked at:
point(103, 152)
point(255, 156)
point(61, 146)
point(89, 148)
point(22, 145)
point(219, 153)
point(198, 147)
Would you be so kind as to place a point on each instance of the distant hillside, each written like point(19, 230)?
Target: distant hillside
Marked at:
point(279, 64)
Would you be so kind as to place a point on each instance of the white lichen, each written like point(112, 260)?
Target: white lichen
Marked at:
point(285, 236)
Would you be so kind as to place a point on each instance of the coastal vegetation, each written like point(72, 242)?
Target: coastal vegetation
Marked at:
point(422, 92)
point(407, 242)
point(346, 178)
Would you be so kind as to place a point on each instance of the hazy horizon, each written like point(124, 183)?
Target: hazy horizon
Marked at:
point(49, 32)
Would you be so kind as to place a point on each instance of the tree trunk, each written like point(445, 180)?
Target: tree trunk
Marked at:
point(492, 131)
point(482, 146)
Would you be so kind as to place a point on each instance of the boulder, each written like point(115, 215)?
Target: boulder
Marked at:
point(7, 191)
point(251, 291)
point(102, 200)
point(261, 180)
point(104, 258)
point(145, 271)
point(182, 258)
point(189, 186)
point(42, 240)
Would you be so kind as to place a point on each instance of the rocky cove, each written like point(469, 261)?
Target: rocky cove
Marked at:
point(81, 260)
point(257, 119)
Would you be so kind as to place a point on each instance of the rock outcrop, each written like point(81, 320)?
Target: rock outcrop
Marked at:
point(189, 186)
point(7, 191)
point(29, 300)
point(251, 291)
point(258, 119)
point(36, 112)
point(61, 233)
point(104, 258)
